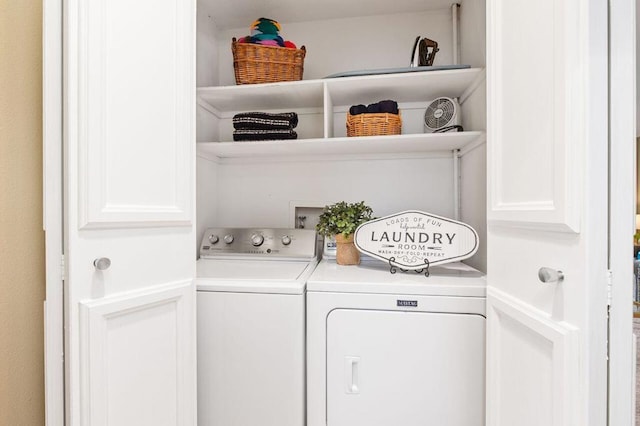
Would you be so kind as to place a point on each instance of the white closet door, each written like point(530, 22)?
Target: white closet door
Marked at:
point(405, 368)
point(547, 208)
point(129, 96)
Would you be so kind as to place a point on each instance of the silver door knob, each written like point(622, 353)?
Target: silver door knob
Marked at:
point(102, 264)
point(548, 275)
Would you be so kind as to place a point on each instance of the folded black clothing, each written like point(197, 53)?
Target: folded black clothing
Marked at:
point(357, 109)
point(387, 106)
point(263, 134)
point(265, 120)
point(373, 108)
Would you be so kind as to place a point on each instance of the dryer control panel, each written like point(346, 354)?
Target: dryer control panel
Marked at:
point(280, 243)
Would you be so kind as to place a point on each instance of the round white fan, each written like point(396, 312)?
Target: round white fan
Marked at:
point(441, 112)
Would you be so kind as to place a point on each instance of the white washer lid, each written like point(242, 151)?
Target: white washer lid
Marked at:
point(253, 276)
point(373, 276)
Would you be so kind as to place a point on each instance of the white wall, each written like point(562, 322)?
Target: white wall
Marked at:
point(207, 73)
point(206, 196)
point(473, 49)
point(260, 194)
point(473, 200)
point(473, 165)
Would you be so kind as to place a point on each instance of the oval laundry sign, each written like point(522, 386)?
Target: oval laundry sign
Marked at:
point(414, 239)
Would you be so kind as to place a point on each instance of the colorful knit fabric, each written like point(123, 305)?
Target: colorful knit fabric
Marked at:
point(266, 25)
point(266, 31)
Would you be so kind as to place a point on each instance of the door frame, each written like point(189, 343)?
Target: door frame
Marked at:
point(54, 383)
point(622, 170)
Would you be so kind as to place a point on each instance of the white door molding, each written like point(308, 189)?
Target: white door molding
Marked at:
point(52, 214)
point(541, 358)
point(622, 113)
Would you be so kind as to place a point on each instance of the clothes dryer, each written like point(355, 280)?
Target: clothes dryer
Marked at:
point(399, 348)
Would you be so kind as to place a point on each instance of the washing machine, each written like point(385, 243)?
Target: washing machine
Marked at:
point(251, 326)
point(395, 348)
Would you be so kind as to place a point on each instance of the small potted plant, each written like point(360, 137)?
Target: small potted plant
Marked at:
point(340, 220)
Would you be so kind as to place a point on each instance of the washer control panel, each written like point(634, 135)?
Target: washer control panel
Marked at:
point(259, 242)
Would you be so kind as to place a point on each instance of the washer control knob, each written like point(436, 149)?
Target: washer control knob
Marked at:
point(286, 240)
point(213, 238)
point(257, 240)
point(228, 239)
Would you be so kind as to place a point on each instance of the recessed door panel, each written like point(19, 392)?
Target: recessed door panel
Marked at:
point(136, 356)
point(535, 113)
point(135, 112)
point(405, 368)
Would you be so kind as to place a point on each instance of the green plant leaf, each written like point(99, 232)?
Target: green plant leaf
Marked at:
point(343, 218)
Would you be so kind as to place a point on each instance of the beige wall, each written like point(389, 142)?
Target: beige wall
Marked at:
point(22, 281)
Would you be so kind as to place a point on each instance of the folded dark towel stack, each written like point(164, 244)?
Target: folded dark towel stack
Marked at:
point(264, 135)
point(265, 120)
point(387, 106)
point(263, 126)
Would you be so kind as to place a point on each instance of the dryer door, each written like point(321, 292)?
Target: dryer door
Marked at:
point(405, 368)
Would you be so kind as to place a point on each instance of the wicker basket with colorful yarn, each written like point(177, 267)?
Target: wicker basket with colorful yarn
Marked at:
point(254, 63)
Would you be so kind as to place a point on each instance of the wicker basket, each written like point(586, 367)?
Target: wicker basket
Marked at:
point(255, 63)
point(373, 124)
